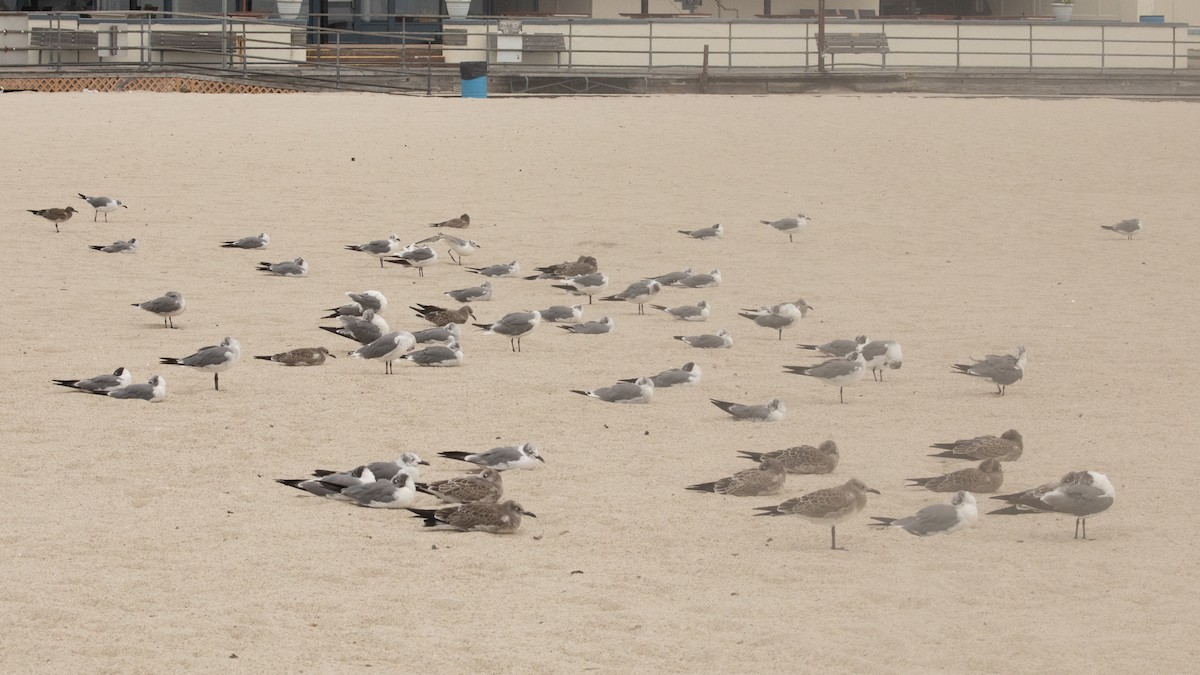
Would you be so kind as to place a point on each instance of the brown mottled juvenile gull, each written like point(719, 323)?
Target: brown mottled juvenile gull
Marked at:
point(801, 458)
point(987, 477)
point(584, 264)
point(485, 486)
point(1006, 448)
point(440, 316)
point(56, 216)
point(459, 223)
point(504, 518)
point(829, 506)
point(304, 356)
point(766, 479)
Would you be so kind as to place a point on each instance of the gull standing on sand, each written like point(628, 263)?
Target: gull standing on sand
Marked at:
point(387, 347)
point(1126, 227)
point(482, 292)
point(476, 517)
point(154, 391)
point(213, 359)
point(825, 507)
point(709, 279)
point(770, 412)
point(458, 223)
point(304, 356)
point(56, 216)
point(640, 390)
point(514, 325)
point(118, 246)
point(585, 264)
point(440, 316)
point(103, 205)
point(696, 312)
point(881, 353)
point(379, 248)
point(790, 225)
point(1082, 494)
point(362, 329)
point(687, 374)
point(838, 372)
point(457, 245)
point(511, 269)
point(360, 302)
point(604, 325)
point(780, 317)
point(524, 456)
point(585, 284)
point(711, 232)
point(120, 377)
point(1001, 369)
point(437, 356)
point(557, 313)
point(987, 477)
point(419, 257)
point(838, 348)
point(638, 292)
point(168, 306)
point(801, 458)
point(259, 240)
point(961, 513)
point(1008, 447)
point(767, 479)
point(289, 268)
point(485, 486)
point(719, 340)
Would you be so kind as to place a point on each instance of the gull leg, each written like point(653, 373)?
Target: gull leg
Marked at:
point(841, 394)
point(833, 539)
point(790, 240)
point(217, 381)
point(381, 263)
point(589, 299)
point(781, 334)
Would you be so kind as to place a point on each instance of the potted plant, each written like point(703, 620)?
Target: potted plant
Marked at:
point(1062, 9)
point(458, 8)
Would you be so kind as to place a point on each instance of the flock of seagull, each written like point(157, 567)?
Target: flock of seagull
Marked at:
point(474, 501)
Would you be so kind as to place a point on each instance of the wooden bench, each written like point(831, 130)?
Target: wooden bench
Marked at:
point(54, 39)
point(856, 43)
point(187, 41)
point(555, 43)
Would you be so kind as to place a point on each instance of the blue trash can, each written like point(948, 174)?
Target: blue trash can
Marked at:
point(474, 78)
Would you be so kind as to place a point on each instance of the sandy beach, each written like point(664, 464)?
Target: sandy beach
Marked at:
point(151, 537)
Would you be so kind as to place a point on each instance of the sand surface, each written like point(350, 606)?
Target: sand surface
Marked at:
point(151, 538)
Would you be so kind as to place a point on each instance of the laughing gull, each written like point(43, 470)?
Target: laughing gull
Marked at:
point(330, 485)
point(585, 264)
point(673, 278)
point(838, 372)
point(304, 356)
point(485, 486)
point(458, 223)
point(781, 316)
point(397, 493)
point(838, 348)
point(987, 477)
point(557, 313)
point(378, 247)
point(585, 284)
point(214, 359)
point(419, 257)
point(168, 306)
point(709, 279)
point(440, 316)
point(640, 390)
point(801, 458)
point(881, 353)
point(360, 302)
point(259, 240)
point(154, 391)
point(1006, 448)
point(800, 304)
point(524, 456)
point(790, 225)
point(56, 216)
point(409, 463)
point(767, 479)
point(102, 205)
point(711, 232)
point(118, 246)
point(1001, 369)
point(120, 377)
point(288, 268)
point(362, 329)
point(437, 356)
point(438, 335)
point(825, 507)
point(1082, 494)
point(502, 518)
point(514, 325)
point(604, 325)
point(457, 245)
point(511, 269)
point(696, 312)
point(718, 340)
point(688, 373)
point(482, 292)
point(959, 514)
point(1126, 227)
point(770, 412)
point(388, 347)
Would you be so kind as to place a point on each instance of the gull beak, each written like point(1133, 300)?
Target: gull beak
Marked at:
point(332, 356)
point(873, 490)
point(543, 461)
point(427, 464)
point(527, 513)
